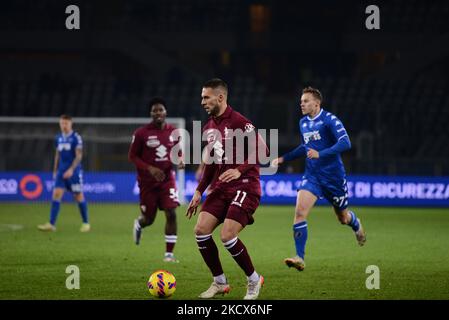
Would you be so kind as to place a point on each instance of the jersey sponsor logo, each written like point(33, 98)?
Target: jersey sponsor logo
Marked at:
point(161, 153)
point(64, 146)
point(153, 142)
point(311, 136)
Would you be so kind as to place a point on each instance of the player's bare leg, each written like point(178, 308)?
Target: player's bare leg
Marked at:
point(204, 227)
point(305, 201)
point(79, 197)
point(349, 218)
point(170, 235)
point(58, 193)
point(229, 237)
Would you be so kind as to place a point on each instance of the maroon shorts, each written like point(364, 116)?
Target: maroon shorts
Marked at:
point(236, 205)
point(154, 195)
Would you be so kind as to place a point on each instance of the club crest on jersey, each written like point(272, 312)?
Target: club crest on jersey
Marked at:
point(153, 142)
point(161, 153)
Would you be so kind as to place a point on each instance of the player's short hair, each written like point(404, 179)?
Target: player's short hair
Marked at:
point(65, 117)
point(157, 100)
point(314, 92)
point(216, 83)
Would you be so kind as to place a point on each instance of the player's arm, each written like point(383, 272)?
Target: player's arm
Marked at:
point(199, 171)
point(75, 162)
point(206, 176)
point(55, 163)
point(134, 156)
point(341, 136)
point(206, 179)
point(296, 153)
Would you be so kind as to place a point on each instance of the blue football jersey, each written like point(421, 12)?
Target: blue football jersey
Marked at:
point(66, 146)
point(320, 133)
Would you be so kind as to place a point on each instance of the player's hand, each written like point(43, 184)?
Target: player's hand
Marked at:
point(276, 162)
point(313, 154)
point(68, 174)
point(181, 165)
point(193, 205)
point(157, 173)
point(229, 175)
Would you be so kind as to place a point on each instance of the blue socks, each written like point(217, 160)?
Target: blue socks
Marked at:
point(83, 210)
point(56, 205)
point(354, 224)
point(300, 236)
point(54, 211)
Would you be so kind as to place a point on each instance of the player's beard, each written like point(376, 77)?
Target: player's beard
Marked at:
point(215, 110)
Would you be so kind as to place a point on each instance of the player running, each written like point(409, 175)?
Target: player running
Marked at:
point(323, 138)
point(150, 152)
point(233, 196)
point(67, 174)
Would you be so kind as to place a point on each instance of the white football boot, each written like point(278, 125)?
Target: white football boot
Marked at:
point(253, 289)
point(214, 289)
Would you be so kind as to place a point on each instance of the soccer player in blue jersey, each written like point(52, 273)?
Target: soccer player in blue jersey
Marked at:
point(67, 173)
point(323, 138)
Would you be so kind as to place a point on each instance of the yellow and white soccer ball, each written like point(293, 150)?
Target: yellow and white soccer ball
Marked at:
point(162, 284)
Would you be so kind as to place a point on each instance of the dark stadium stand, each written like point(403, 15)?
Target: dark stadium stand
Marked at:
point(394, 105)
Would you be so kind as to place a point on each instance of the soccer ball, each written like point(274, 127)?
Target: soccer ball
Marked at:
point(162, 284)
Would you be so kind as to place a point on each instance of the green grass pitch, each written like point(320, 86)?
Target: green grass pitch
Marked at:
point(410, 247)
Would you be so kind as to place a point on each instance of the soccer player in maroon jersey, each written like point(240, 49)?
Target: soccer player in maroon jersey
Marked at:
point(234, 192)
point(150, 152)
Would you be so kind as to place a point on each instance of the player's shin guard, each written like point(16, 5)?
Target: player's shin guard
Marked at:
point(170, 241)
point(54, 211)
point(83, 211)
point(300, 236)
point(209, 252)
point(238, 251)
point(354, 223)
